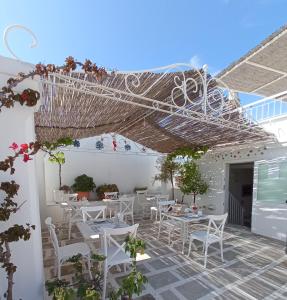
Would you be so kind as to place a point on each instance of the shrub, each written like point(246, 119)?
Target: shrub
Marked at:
point(83, 183)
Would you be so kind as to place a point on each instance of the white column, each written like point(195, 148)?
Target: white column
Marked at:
point(17, 125)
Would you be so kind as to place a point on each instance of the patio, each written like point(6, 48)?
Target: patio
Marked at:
point(139, 148)
point(254, 268)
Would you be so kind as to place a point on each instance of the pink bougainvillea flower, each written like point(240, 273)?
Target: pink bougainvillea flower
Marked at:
point(26, 157)
point(14, 146)
point(24, 147)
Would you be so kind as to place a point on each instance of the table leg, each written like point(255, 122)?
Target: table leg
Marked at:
point(184, 235)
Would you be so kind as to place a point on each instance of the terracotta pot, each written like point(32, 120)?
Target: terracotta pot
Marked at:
point(83, 195)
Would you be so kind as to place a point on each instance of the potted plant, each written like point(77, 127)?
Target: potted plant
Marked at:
point(102, 189)
point(167, 168)
point(190, 181)
point(65, 188)
point(83, 186)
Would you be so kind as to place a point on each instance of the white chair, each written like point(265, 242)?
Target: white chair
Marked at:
point(58, 196)
point(155, 209)
point(169, 224)
point(65, 252)
point(75, 214)
point(111, 195)
point(114, 251)
point(127, 207)
point(93, 213)
point(214, 234)
point(141, 200)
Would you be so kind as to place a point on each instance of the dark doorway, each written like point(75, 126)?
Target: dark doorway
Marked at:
point(240, 194)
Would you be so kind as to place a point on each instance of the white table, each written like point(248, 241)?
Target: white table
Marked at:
point(184, 220)
point(94, 230)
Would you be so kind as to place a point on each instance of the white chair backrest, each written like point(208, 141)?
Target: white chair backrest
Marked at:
point(126, 205)
point(110, 238)
point(142, 192)
point(216, 225)
point(111, 195)
point(95, 213)
point(58, 196)
point(162, 197)
point(71, 197)
point(51, 228)
point(165, 204)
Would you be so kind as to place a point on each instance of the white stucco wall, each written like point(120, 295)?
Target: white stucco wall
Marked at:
point(17, 125)
point(126, 169)
point(266, 220)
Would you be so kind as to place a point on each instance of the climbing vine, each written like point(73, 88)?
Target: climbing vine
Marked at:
point(9, 206)
point(29, 97)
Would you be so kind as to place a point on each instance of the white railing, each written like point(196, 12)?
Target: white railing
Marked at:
point(265, 109)
point(235, 211)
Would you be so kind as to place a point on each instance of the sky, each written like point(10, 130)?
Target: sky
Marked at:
point(140, 34)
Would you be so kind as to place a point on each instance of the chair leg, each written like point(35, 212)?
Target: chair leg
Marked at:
point(189, 247)
point(159, 228)
point(70, 229)
point(125, 268)
point(156, 215)
point(133, 222)
point(59, 270)
point(205, 255)
point(105, 283)
point(221, 250)
point(89, 266)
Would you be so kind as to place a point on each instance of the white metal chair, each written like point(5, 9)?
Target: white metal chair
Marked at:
point(170, 224)
point(114, 251)
point(111, 195)
point(155, 209)
point(65, 252)
point(127, 207)
point(94, 213)
point(141, 200)
point(214, 234)
point(75, 214)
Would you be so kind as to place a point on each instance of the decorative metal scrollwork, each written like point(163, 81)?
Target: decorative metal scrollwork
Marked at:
point(18, 26)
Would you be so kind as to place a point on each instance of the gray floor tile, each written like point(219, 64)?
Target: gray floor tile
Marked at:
point(194, 289)
point(162, 279)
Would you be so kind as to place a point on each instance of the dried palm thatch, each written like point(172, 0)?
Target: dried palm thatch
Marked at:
point(147, 107)
point(263, 70)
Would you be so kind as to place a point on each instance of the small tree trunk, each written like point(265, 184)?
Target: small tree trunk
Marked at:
point(60, 174)
point(194, 195)
point(172, 185)
point(10, 272)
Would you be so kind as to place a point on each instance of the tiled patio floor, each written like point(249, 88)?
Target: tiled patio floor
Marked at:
point(255, 267)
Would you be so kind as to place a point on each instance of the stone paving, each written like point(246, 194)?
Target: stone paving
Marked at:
point(255, 267)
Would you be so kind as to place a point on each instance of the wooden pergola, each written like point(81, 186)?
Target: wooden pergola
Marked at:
point(163, 109)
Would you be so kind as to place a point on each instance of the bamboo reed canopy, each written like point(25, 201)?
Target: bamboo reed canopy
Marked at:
point(161, 109)
point(263, 70)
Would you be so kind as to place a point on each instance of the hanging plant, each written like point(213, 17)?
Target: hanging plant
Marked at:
point(99, 145)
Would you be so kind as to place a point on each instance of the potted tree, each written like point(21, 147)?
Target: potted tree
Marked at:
point(83, 186)
point(190, 181)
point(167, 168)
